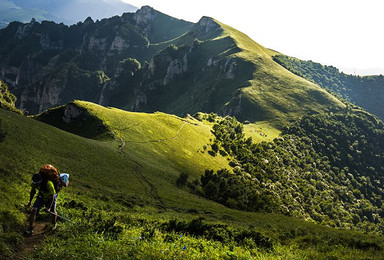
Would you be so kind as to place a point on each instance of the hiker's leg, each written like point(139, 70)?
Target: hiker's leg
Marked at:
point(53, 210)
point(35, 208)
point(32, 217)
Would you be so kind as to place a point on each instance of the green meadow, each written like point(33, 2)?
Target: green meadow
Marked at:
point(125, 202)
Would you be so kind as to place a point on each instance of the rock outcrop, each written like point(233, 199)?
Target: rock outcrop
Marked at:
point(71, 112)
point(207, 24)
point(176, 67)
point(144, 16)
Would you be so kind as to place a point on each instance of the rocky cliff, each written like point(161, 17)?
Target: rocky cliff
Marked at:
point(47, 64)
point(148, 61)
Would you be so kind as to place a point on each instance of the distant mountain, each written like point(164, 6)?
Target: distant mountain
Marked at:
point(66, 11)
point(149, 61)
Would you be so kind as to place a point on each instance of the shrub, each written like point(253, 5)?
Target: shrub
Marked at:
point(3, 132)
point(182, 180)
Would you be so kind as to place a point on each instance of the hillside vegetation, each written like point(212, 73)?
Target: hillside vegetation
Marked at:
point(7, 99)
point(248, 158)
point(131, 201)
point(222, 70)
point(325, 168)
point(364, 91)
point(148, 61)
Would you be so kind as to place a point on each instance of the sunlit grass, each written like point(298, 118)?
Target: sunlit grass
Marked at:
point(261, 131)
point(134, 189)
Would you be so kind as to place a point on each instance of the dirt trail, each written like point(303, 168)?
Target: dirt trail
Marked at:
point(153, 189)
point(31, 243)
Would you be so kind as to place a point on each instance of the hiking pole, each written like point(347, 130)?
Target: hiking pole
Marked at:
point(62, 217)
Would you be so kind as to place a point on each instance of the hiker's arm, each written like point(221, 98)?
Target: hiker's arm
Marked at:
point(51, 191)
point(31, 195)
point(51, 200)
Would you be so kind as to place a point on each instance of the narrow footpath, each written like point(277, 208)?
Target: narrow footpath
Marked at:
point(32, 243)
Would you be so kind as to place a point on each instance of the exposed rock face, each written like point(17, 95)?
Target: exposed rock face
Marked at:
point(47, 64)
point(44, 98)
point(119, 44)
point(24, 29)
point(210, 62)
point(88, 21)
point(176, 67)
point(48, 44)
point(144, 16)
point(141, 99)
point(97, 44)
point(94, 61)
point(71, 112)
point(10, 74)
point(207, 24)
point(152, 67)
point(229, 68)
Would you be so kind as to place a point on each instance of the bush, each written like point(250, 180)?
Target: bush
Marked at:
point(3, 132)
point(338, 156)
point(182, 180)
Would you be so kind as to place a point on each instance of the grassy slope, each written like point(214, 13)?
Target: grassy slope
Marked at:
point(103, 179)
point(279, 94)
point(268, 92)
point(162, 144)
point(261, 131)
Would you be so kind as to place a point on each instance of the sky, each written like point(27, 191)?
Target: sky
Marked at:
point(347, 34)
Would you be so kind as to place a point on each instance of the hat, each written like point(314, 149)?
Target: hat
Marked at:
point(36, 178)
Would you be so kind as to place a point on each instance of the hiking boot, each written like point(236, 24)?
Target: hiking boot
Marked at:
point(50, 227)
point(28, 232)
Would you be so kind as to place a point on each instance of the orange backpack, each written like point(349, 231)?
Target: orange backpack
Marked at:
point(50, 173)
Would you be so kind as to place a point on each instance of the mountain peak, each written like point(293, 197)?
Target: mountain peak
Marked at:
point(145, 8)
point(144, 15)
point(207, 24)
point(89, 20)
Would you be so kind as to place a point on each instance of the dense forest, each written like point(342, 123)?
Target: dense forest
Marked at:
point(364, 91)
point(324, 168)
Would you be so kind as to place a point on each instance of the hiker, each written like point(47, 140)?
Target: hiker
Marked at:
point(49, 182)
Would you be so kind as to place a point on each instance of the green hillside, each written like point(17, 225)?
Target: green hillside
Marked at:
point(128, 198)
point(193, 142)
point(324, 168)
point(148, 61)
point(364, 91)
point(222, 70)
point(275, 91)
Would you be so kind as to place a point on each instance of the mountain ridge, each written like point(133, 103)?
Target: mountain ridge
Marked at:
point(207, 66)
point(303, 183)
point(68, 12)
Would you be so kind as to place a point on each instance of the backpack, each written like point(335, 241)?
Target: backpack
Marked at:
point(50, 173)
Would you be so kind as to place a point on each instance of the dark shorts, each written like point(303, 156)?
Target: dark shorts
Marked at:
point(41, 202)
